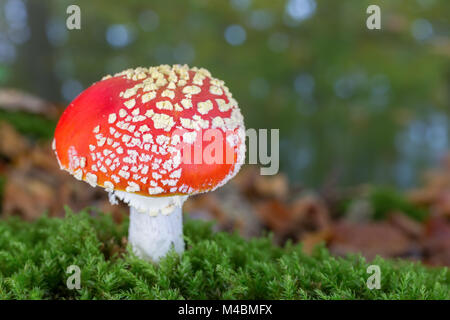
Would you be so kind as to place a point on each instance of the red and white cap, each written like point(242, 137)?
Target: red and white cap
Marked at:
point(127, 133)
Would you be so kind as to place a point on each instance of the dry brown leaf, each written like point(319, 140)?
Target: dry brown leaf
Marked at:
point(409, 226)
point(275, 186)
point(16, 100)
point(436, 242)
point(311, 239)
point(35, 184)
point(379, 238)
point(291, 221)
point(12, 144)
point(228, 207)
point(275, 215)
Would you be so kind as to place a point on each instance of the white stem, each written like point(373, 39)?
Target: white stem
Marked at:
point(151, 237)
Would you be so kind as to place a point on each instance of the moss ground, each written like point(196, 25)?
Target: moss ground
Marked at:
point(34, 258)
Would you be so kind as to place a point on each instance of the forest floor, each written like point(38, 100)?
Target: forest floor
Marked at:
point(319, 226)
point(35, 259)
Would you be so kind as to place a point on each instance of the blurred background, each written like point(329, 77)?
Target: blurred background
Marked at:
point(353, 104)
point(362, 113)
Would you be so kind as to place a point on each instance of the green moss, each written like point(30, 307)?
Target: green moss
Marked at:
point(34, 258)
point(2, 189)
point(29, 124)
point(388, 200)
point(384, 201)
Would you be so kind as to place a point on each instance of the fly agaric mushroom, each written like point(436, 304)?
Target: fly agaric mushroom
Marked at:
point(129, 133)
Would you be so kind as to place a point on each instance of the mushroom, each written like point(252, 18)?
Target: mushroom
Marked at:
point(139, 133)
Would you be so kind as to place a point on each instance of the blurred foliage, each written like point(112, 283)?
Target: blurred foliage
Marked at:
point(34, 258)
point(29, 124)
point(357, 104)
point(378, 203)
point(2, 187)
point(387, 200)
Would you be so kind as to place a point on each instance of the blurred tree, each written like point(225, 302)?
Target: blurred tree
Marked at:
point(357, 104)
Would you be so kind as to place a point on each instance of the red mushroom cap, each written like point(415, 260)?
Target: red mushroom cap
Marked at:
point(128, 132)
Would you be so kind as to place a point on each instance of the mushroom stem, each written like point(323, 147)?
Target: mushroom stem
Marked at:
point(151, 237)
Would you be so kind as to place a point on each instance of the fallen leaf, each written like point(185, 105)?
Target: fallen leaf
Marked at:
point(17, 100)
point(436, 242)
point(380, 238)
point(409, 226)
point(12, 144)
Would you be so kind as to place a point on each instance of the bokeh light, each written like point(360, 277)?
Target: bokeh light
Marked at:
point(235, 35)
point(118, 35)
